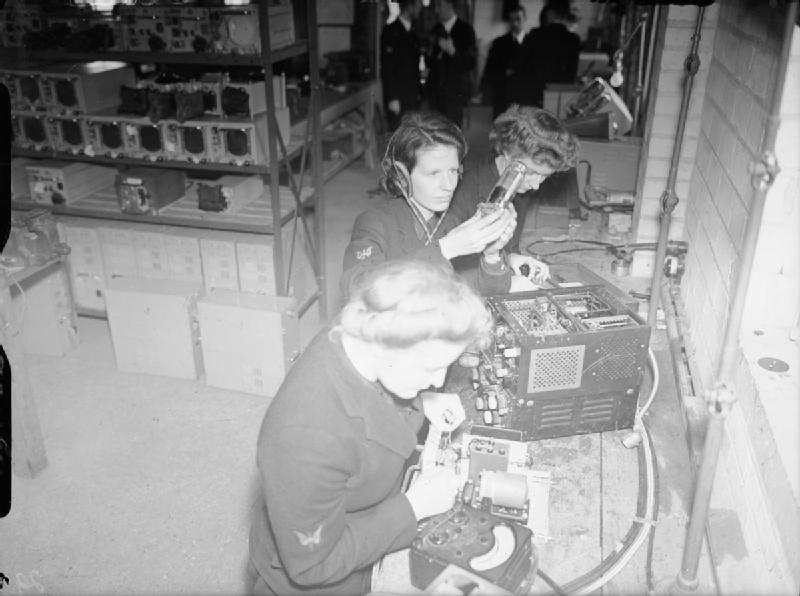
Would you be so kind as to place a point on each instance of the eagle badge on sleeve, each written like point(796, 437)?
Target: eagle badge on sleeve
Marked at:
point(364, 253)
point(311, 539)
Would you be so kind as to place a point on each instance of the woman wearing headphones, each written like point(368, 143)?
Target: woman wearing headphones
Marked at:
point(335, 439)
point(421, 169)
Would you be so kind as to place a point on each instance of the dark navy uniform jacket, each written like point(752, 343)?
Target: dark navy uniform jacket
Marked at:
point(390, 231)
point(331, 455)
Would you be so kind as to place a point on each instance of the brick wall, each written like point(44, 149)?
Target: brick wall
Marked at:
point(732, 95)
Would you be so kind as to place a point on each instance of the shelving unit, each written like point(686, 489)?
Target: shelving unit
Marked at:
point(304, 146)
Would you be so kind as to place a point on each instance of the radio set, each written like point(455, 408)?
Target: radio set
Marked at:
point(21, 77)
point(189, 140)
point(562, 362)
point(210, 85)
point(68, 134)
point(189, 29)
point(236, 28)
point(249, 98)
point(16, 23)
point(143, 28)
point(148, 190)
point(30, 130)
point(62, 182)
point(242, 142)
point(144, 139)
point(228, 194)
point(106, 134)
point(80, 88)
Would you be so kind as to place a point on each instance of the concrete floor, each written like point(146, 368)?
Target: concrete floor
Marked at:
point(151, 480)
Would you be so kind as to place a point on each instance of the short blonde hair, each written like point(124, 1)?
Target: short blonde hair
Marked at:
point(403, 302)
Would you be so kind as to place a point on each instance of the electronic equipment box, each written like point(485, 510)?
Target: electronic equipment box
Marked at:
point(243, 142)
point(68, 134)
point(145, 140)
point(81, 87)
point(236, 29)
point(30, 130)
point(562, 362)
point(144, 28)
point(246, 99)
point(188, 29)
point(149, 190)
point(210, 85)
point(20, 191)
point(153, 326)
point(106, 134)
point(249, 341)
point(228, 194)
point(190, 140)
point(21, 77)
point(17, 22)
point(64, 182)
point(473, 541)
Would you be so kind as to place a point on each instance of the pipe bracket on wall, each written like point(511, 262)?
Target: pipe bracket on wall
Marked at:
point(763, 171)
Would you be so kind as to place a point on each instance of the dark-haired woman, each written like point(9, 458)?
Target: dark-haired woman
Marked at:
point(421, 170)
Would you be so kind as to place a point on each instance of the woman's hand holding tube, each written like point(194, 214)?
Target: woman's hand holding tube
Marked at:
point(478, 232)
point(433, 492)
point(492, 252)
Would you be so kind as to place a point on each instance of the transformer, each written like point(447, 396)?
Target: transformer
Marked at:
point(148, 190)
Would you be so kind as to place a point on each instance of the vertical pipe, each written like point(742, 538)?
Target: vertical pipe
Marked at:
point(668, 199)
point(314, 115)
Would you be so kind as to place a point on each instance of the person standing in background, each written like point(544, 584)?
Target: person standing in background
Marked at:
point(552, 50)
point(452, 63)
point(506, 75)
point(400, 54)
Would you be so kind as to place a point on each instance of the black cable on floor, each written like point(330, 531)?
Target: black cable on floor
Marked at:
point(549, 581)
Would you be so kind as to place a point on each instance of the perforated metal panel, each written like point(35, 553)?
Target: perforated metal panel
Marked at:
point(557, 368)
point(619, 361)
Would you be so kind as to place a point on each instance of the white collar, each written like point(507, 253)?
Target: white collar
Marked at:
point(406, 23)
point(448, 24)
point(519, 37)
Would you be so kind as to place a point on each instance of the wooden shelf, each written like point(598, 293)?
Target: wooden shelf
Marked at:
point(255, 217)
point(298, 48)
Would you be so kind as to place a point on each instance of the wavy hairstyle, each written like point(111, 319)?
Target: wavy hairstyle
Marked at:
point(526, 131)
point(401, 303)
point(417, 130)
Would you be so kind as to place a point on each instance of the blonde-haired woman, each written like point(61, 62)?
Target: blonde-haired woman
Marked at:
point(336, 437)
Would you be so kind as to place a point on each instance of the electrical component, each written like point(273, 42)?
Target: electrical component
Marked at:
point(249, 98)
point(65, 182)
point(598, 97)
point(148, 190)
point(144, 28)
point(228, 194)
point(21, 77)
point(83, 87)
point(190, 140)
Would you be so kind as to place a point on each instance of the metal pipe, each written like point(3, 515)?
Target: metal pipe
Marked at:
point(650, 50)
point(763, 172)
point(720, 402)
point(723, 395)
point(668, 199)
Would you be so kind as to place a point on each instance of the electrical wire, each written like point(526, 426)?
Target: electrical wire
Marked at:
point(646, 513)
point(549, 581)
